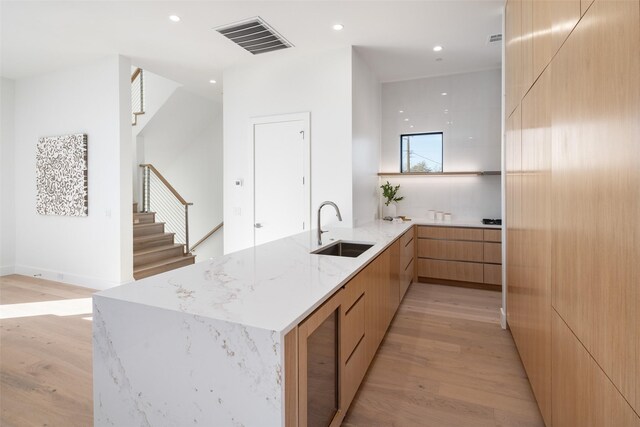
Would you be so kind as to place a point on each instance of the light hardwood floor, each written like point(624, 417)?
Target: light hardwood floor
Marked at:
point(45, 360)
point(444, 362)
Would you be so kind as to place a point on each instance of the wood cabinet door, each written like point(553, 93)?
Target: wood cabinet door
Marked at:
point(596, 227)
point(319, 367)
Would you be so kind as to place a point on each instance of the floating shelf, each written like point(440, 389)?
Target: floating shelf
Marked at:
point(477, 173)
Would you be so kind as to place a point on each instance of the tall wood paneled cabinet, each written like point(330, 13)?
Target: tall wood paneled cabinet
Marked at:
point(573, 205)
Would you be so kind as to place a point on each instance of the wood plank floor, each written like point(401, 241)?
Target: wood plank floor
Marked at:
point(45, 360)
point(445, 361)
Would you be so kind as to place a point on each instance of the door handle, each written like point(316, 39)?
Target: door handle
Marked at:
point(257, 225)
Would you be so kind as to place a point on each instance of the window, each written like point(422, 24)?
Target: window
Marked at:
point(421, 152)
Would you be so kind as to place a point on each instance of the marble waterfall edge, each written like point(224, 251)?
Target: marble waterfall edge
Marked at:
point(156, 367)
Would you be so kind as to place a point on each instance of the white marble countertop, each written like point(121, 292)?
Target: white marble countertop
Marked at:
point(470, 223)
point(271, 286)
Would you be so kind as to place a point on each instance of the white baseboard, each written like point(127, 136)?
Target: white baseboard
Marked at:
point(71, 279)
point(503, 318)
point(6, 270)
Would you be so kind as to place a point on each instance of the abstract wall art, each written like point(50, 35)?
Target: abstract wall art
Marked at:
point(61, 175)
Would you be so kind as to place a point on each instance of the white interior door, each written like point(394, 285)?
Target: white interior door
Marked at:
point(281, 177)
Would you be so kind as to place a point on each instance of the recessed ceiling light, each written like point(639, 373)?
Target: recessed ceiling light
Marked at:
point(444, 94)
point(470, 137)
point(174, 18)
point(411, 126)
point(437, 48)
point(401, 111)
point(338, 27)
point(212, 81)
point(406, 120)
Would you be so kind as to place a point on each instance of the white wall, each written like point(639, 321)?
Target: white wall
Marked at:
point(7, 214)
point(472, 141)
point(157, 90)
point(184, 142)
point(281, 83)
point(93, 251)
point(366, 116)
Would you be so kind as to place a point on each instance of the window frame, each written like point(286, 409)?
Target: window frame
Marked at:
point(441, 133)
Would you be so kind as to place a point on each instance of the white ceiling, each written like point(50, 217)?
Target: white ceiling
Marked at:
point(395, 37)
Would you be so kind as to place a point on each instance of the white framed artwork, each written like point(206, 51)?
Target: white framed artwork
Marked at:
point(61, 175)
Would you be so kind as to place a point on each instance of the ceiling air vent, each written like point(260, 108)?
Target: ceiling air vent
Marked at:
point(494, 38)
point(254, 35)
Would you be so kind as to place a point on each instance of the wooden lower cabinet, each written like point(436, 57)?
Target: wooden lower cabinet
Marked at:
point(573, 239)
point(407, 264)
point(583, 395)
point(458, 255)
point(451, 270)
point(319, 366)
point(344, 332)
point(492, 274)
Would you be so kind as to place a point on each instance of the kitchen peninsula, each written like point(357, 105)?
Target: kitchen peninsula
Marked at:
point(220, 342)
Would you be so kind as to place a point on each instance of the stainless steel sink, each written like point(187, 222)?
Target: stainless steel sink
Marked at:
point(344, 249)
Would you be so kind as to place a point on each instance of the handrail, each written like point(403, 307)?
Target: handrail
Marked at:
point(135, 74)
point(166, 183)
point(206, 236)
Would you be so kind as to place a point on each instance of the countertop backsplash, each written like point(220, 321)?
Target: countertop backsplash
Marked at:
point(466, 198)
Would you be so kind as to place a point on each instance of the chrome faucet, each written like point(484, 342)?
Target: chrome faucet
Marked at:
point(319, 223)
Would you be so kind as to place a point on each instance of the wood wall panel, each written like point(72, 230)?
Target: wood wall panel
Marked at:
point(583, 396)
point(513, 200)
point(534, 335)
point(513, 55)
point(596, 181)
point(584, 5)
point(527, 46)
point(552, 20)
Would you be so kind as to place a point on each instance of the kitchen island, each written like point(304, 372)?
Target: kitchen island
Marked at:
point(205, 344)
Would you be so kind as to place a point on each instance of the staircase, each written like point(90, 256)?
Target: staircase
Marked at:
point(137, 95)
point(154, 250)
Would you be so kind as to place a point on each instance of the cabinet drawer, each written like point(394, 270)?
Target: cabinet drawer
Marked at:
point(493, 253)
point(493, 235)
point(450, 250)
point(450, 233)
point(354, 371)
point(406, 279)
point(493, 274)
point(451, 270)
point(406, 239)
point(354, 289)
point(353, 327)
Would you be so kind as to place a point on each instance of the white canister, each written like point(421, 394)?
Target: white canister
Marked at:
point(447, 217)
point(439, 215)
point(431, 215)
point(389, 211)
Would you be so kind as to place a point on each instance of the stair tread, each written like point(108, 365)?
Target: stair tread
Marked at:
point(148, 237)
point(147, 224)
point(153, 249)
point(163, 262)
